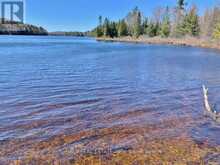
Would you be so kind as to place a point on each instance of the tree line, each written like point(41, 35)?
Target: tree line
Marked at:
point(181, 20)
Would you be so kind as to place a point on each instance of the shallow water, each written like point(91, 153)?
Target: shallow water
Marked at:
point(62, 86)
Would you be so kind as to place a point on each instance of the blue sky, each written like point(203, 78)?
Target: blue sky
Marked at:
point(82, 15)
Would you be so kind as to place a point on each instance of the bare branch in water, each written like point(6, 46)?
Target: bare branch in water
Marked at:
point(211, 111)
point(206, 101)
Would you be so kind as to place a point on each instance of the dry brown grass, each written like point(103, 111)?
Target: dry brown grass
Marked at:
point(186, 41)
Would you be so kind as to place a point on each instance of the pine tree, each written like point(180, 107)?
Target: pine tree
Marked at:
point(157, 28)
point(106, 28)
point(122, 28)
point(133, 20)
point(151, 30)
point(216, 33)
point(137, 26)
point(113, 30)
point(179, 14)
point(190, 24)
point(194, 22)
point(181, 4)
point(145, 26)
point(165, 27)
point(99, 29)
point(100, 20)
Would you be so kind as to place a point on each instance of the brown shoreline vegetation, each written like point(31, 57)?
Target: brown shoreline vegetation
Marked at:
point(186, 41)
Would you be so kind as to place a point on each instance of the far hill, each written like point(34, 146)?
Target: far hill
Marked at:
point(17, 28)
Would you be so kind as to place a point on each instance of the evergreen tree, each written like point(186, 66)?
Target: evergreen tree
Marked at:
point(113, 30)
point(216, 33)
point(145, 26)
point(193, 23)
point(178, 18)
point(133, 20)
point(122, 28)
point(137, 26)
point(99, 32)
point(151, 30)
point(165, 27)
point(190, 24)
point(106, 28)
point(181, 4)
point(99, 29)
point(157, 28)
point(100, 20)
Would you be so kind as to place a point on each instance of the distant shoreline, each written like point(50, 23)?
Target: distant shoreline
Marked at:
point(187, 41)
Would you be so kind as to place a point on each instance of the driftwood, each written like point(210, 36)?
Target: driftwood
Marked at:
point(209, 110)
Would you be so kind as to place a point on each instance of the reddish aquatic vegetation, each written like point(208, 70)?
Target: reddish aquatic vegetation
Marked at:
point(177, 151)
point(122, 144)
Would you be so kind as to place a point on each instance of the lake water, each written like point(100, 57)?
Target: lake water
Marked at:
point(56, 87)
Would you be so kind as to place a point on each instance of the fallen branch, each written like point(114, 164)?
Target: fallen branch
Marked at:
point(211, 112)
point(206, 101)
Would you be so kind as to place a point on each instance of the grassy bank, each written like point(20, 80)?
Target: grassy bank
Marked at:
point(186, 41)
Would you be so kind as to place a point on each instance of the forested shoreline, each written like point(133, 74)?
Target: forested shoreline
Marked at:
point(18, 28)
point(180, 21)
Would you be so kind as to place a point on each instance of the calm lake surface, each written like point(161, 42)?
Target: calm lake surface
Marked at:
point(52, 87)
